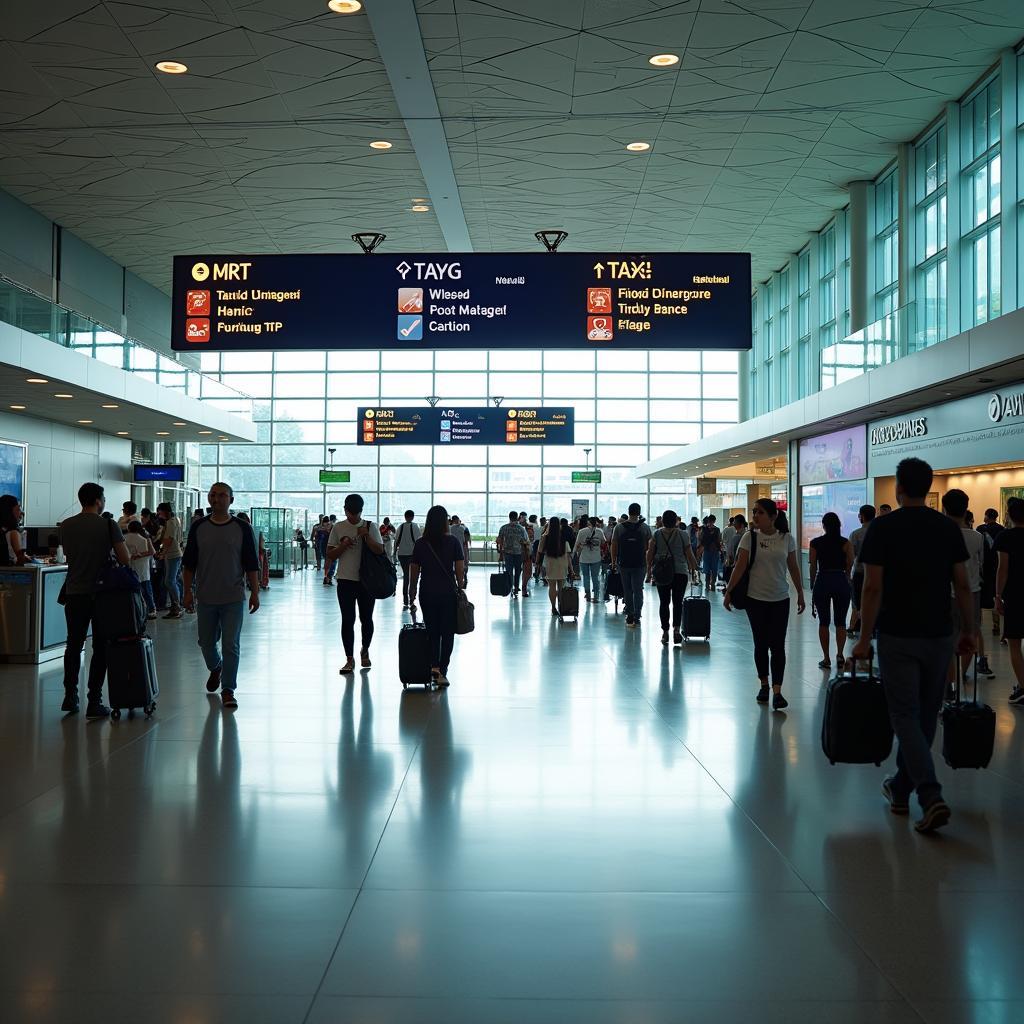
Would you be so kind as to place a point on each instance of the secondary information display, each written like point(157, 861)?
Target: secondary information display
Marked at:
point(439, 426)
point(567, 300)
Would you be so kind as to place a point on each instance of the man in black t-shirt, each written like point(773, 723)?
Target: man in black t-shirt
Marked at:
point(910, 557)
point(1009, 591)
point(990, 530)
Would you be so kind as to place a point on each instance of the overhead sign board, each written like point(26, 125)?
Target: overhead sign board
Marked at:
point(144, 474)
point(666, 300)
point(706, 485)
point(586, 476)
point(466, 426)
point(335, 476)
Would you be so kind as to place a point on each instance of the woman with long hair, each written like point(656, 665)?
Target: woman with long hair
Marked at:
point(11, 550)
point(554, 551)
point(438, 558)
point(670, 545)
point(767, 601)
point(831, 561)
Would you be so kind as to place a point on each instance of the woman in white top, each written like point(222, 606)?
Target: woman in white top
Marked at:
point(553, 551)
point(767, 603)
point(588, 550)
point(670, 542)
point(140, 547)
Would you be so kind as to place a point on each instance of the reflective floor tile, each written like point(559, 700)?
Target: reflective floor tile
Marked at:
point(118, 1007)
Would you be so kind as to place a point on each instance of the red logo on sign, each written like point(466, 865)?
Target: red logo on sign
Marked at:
point(599, 300)
point(197, 331)
point(197, 303)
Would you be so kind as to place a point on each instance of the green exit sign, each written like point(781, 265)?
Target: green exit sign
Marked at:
point(586, 476)
point(335, 476)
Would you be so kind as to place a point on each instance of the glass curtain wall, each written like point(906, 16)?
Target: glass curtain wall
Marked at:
point(629, 406)
point(887, 242)
point(930, 164)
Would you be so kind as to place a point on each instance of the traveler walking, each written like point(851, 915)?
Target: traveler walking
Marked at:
point(513, 544)
point(461, 533)
point(129, 514)
point(990, 529)
point(405, 540)
point(727, 535)
point(303, 545)
point(221, 557)
point(1009, 599)
point(553, 551)
point(437, 569)
point(865, 515)
point(709, 551)
point(88, 540)
point(767, 600)
point(140, 547)
point(345, 545)
point(170, 553)
point(954, 504)
point(387, 534)
point(739, 525)
point(831, 561)
point(587, 549)
point(330, 564)
point(670, 559)
point(910, 558)
point(629, 548)
point(319, 539)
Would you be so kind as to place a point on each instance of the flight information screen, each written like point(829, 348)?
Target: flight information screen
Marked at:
point(665, 300)
point(395, 425)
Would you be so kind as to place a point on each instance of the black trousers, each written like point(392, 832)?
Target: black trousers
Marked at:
point(673, 595)
point(769, 621)
point(405, 560)
point(78, 615)
point(352, 593)
point(439, 618)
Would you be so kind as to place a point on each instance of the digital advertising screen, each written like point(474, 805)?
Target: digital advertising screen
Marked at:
point(841, 455)
point(845, 499)
point(172, 474)
point(467, 426)
point(408, 301)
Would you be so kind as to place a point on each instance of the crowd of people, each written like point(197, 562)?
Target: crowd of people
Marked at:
point(918, 582)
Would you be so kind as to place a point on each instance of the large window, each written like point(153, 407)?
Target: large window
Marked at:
point(630, 407)
point(785, 337)
point(930, 163)
point(981, 203)
point(887, 243)
point(770, 342)
point(806, 385)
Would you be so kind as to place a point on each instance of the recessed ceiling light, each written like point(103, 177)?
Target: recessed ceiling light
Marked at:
point(36, 380)
point(171, 67)
point(17, 407)
point(380, 145)
point(663, 60)
point(63, 396)
point(85, 421)
point(163, 433)
point(205, 431)
point(638, 147)
point(110, 405)
point(122, 433)
point(775, 440)
point(419, 200)
point(224, 437)
point(180, 423)
point(345, 6)
point(420, 209)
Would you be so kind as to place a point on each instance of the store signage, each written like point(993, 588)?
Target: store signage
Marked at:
point(1001, 406)
point(899, 431)
point(586, 476)
point(707, 485)
point(335, 476)
point(408, 301)
point(518, 426)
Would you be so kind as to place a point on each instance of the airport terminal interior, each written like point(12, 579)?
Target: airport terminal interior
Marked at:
point(558, 258)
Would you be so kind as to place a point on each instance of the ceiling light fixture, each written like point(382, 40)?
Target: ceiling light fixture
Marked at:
point(63, 396)
point(775, 440)
point(638, 147)
point(110, 405)
point(180, 423)
point(663, 60)
point(223, 438)
point(345, 6)
point(85, 421)
point(171, 67)
point(205, 431)
point(36, 380)
point(163, 433)
point(420, 209)
point(17, 407)
point(419, 200)
point(380, 144)
point(122, 433)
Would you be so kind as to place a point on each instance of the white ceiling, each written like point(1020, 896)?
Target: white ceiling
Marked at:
point(263, 146)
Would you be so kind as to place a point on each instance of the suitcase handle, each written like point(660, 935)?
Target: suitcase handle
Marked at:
point(960, 679)
point(871, 665)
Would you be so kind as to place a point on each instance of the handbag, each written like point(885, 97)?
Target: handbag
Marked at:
point(377, 573)
point(738, 595)
point(465, 613)
point(664, 566)
point(114, 576)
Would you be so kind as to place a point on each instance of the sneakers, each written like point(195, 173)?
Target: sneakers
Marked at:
point(349, 666)
point(1017, 696)
point(630, 622)
point(405, 607)
point(364, 659)
point(526, 593)
point(984, 669)
point(664, 637)
point(227, 698)
point(174, 613)
point(70, 703)
point(677, 637)
point(763, 694)
point(97, 710)
point(441, 680)
point(213, 683)
point(779, 703)
point(151, 616)
point(935, 816)
point(327, 582)
point(896, 806)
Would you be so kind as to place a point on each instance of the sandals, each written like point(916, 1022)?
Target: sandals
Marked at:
point(840, 662)
point(824, 663)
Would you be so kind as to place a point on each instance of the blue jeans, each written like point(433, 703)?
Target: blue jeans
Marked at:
point(711, 560)
point(172, 581)
point(913, 671)
point(221, 624)
point(591, 572)
point(514, 566)
point(633, 585)
point(147, 595)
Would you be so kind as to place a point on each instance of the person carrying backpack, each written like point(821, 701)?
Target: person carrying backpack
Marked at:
point(629, 549)
point(709, 551)
point(669, 556)
point(587, 553)
point(405, 540)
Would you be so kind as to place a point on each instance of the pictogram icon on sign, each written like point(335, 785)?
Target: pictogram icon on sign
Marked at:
point(599, 300)
point(599, 328)
point(197, 303)
point(197, 331)
point(410, 300)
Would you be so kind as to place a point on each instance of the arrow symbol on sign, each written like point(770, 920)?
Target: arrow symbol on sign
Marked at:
point(599, 270)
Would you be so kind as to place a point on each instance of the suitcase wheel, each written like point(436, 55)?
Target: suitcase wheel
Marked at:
point(115, 714)
point(149, 709)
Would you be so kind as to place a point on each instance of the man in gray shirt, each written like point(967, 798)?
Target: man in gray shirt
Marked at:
point(88, 540)
point(221, 554)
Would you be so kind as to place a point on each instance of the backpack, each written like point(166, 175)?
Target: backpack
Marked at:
point(377, 573)
point(631, 546)
point(709, 536)
point(664, 568)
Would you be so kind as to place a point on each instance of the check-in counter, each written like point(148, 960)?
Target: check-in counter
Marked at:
point(32, 625)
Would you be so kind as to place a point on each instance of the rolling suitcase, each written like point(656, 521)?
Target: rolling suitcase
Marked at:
point(968, 728)
point(501, 584)
point(696, 618)
point(414, 655)
point(119, 614)
point(131, 676)
point(568, 601)
point(855, 728)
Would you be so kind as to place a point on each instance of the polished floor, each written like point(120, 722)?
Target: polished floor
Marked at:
point(587, 827)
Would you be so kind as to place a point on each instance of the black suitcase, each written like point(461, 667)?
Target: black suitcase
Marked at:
point(118, 615)
point(131, 676)
point(696, 617)
point(414, 655)
point(856, 728)
point(568, 602)
point(501, 584)
point(613, 584)
point(968, 728)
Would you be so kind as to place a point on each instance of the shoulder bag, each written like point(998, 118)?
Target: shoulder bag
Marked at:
point(377, 572)
point(465, 613)
point(664, 568)
point(739, 590)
